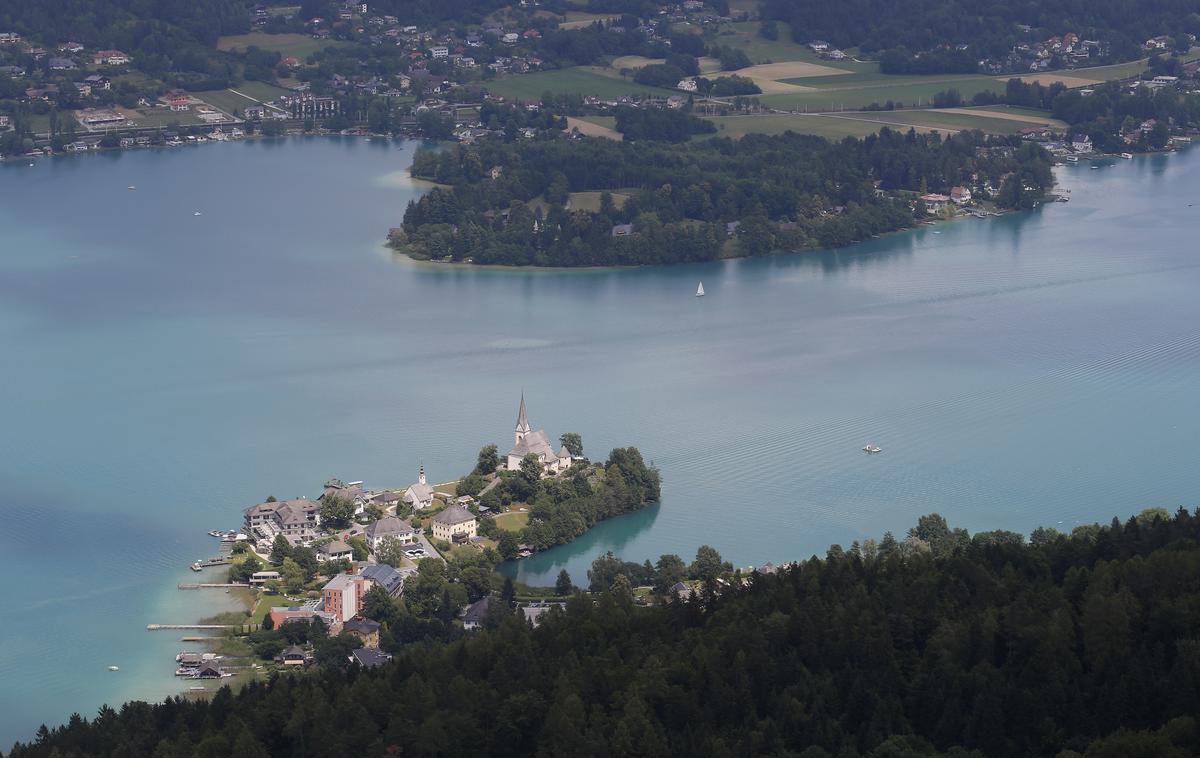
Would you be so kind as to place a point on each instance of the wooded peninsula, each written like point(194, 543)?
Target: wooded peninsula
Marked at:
point(663, 202)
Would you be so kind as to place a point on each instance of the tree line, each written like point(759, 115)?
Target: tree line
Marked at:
point(511, 203)
point(938, 644)
point(923, 35)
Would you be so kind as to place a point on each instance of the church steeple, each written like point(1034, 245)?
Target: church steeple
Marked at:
point(522, 421)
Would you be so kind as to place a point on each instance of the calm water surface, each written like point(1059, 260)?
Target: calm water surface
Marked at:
point(163, 370)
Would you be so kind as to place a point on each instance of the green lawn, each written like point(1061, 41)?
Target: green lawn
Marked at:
point(513, 521)
point(583, 80)
point(858, 91)
point(932, 119)
point(299, 45)
point(590, 201)
point(744, 36)
point(226, 100)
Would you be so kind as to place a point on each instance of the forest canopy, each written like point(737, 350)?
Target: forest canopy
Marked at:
point(509, 203)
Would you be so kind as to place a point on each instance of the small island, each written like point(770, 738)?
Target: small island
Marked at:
point(355, 573)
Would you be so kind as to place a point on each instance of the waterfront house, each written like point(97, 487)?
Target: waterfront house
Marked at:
point(293, 655)
point(369, 657)
point(935, 203)
point(342, 596)
point(352, 492)
point(297, 520)
point(390, 526)
point(420, 494)
point(209, 671)
point(454, 524)
point(334, 551)
point(365, 630)
point(259, 578)
point(526, 442)
point(383, 575)
point(960, 195)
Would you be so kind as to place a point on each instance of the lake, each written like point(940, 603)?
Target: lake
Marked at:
point(164, 370)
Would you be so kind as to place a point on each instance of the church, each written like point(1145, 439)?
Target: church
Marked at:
point(527, 441)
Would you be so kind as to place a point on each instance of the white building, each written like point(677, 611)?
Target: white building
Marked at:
point(527, 441)
point(454, 524)
point(419, 495)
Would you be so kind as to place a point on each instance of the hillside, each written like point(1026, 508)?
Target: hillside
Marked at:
point(940, 644)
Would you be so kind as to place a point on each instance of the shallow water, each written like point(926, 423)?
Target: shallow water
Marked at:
point(164, 370)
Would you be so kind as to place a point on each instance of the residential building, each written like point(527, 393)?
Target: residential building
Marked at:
point(110, 58)
point(476, 613)
point(454, 524)
point(439, 52)
point(293, 655)
point(934, 202)
point(334, 551)
point(366, 630)
point(960, 195)
point(527, 441)
point(687, 85)
point(262, 577)
point(383, 575)
point(369, 657)
point(534, 612)
point(390, 526)
point(342, 596)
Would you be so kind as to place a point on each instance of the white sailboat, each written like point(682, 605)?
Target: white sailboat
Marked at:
point(700, 290)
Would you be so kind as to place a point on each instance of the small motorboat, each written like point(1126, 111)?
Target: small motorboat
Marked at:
point(197, 567)
point(114, 668)
point(197, 213)
point(1127, 156)
point(131, 187)
point(216, 533)
point(870, 448)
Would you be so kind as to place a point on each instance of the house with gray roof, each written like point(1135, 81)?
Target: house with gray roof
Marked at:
point(369, 657)
point(383, 575)
point(454, 524)
point(390, 526)
point(334, 551)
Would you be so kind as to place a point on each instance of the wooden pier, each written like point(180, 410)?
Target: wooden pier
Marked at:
point(203, 585)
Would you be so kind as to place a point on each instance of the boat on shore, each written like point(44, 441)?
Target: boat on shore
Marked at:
point(1127, 156)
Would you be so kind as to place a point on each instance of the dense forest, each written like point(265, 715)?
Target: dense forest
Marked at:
point(988, 27)
point(942, 643)
point(508, 203)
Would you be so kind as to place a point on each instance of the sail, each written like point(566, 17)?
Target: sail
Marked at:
point(700, 290)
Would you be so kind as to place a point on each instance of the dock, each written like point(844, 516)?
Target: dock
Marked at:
point(202, 585)
point(156, 627)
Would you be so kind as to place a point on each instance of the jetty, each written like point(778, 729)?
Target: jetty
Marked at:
point(202, 585)
point(156, 627)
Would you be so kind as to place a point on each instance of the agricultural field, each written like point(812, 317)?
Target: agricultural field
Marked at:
point(579, 19)
point(595, 126)
point(860, 124)
point(590, 201)
point(298, 45)
point(583, 80)
point(855, 92)
point(231, 100)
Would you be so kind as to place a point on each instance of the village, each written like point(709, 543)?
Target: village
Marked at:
point(340, 566)
point(438, 81)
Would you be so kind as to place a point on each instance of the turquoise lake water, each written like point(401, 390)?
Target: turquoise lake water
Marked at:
point(164, 370)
